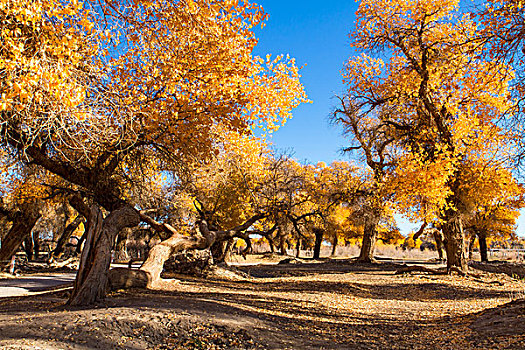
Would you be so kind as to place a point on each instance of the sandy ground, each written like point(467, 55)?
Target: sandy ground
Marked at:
point(323, 305)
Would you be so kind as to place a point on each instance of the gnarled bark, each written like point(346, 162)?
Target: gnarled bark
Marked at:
point(92, 281)
point(455, 243)
point(159, 254)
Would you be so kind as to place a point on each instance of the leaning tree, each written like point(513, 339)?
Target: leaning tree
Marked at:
point(91, 90)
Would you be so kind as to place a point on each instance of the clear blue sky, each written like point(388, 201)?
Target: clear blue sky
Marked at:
point(318, 37)
point(316, 34)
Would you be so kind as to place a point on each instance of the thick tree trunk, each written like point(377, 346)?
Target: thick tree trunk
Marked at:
point(91, 283)
point(298, 247)
point(218, 251)
point(369, 241)
point(318, 241)
point(483, 248)
point(149, 273)
point(158, 255)
point(66, 235)
point(23, 223)
point(455, 243)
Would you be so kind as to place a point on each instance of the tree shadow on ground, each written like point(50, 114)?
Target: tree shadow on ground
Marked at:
point(316, 267)
point(274, 321)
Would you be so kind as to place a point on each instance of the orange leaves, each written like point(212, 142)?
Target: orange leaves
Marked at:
point(192, 69)
point(377, 21)
point(422, 188)
point(45, 47)
point(428, 118)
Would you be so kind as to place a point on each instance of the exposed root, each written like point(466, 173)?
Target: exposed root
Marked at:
point(407, 269)
point(444, 271)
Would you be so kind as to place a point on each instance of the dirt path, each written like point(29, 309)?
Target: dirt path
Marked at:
point(332, 305)
point(27, 285)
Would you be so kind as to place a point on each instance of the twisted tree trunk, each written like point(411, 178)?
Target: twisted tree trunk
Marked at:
point(92, 281)
point(149, 273)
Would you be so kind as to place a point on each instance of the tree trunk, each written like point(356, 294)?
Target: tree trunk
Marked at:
point(23, 223)
point(282, 247)
point(91, 283)
point(149, 273)
point(36, 244)
point(369, 241)
point(438, 238)
point(318, 241)
point(121, 252)
point(483, 248)
point(455, 243)
point(218, 251)
point(471, 246)
point(158, 255)
point(29, 246)
point(66, 235)
point(334, 244)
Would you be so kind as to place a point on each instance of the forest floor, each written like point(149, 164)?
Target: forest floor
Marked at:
point(329, 304)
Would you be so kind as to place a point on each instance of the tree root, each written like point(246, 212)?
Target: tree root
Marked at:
point(444, 271)
point(407, 269)
point(440, 271)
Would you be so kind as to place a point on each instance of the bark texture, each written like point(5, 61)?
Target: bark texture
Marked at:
point(455, 243)
point(159, 254)
point(369, 240)
point(92, 280)
point(23, 223)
